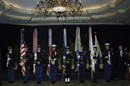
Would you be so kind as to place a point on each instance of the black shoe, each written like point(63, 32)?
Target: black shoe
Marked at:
point(25, 82)
point(53, 82)
point(81, 81)
point(10, 82)
point(94, 81)
point(38, 82)
point(66, 82)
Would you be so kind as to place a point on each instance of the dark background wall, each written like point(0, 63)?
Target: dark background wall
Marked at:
point(115, 34)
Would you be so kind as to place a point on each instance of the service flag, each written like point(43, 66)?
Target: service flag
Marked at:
point(65, 44)
point(35, 47)
point(98, 47)
point(91, 49)
point(77, 46)
point(22, 52)
point(50, 52)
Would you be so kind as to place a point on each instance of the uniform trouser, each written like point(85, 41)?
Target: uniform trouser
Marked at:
point(95, 74)
point(39, 73)
point(121, 70)
point(10, 73)
point(113, 71)
point(81, 72)
point(68, 72)
point(25, 78)
point(108, 72)
point(53, 71)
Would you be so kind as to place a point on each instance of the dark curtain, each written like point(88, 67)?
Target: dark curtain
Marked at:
point(115, 34)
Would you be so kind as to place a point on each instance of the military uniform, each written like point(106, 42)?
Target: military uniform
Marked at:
point(121, 63)
point(27, 65)
point(1, 63)
point(107, 61)
point(39, 66)
point(53, 66)
point(68, 67)
point(82, 65)
point(10, 64)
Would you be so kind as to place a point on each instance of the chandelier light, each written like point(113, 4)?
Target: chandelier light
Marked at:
point(61, 8)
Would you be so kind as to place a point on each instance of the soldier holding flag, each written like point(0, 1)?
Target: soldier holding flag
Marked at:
point(107, 54)
point(10, 64)
point(54, 64)
point(95, 57)
point(82, 64)
point(39, 64)
point(68, 65)
point(27, 63)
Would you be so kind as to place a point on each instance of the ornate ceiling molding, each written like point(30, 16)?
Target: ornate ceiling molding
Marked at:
point(13, 8)
point(70, 18)
point(46, 24)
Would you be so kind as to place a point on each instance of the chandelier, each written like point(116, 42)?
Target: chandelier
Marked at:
point(61, 8)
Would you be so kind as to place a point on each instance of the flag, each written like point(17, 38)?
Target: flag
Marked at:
point(22, 52)
point(77, 46)
point(98, 47)
point(50, 52)
point(35, 47)
point(65, 44)
point(91, 49)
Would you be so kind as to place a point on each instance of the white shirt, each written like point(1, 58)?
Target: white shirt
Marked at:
point(120, 53)
point(38, 51)
point(10, 52)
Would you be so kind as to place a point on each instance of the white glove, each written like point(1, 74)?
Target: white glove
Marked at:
point(63, 57)
point(21, 57)
point(78, 57)
point(78, 64)
point(106, 56)
point(34, 64)
point(62, 65)
point(128, 64)
point(9, 58)
point(49, 65)
point(49, 58)
point(35, 58)
point(19, 63)
point(90, 65)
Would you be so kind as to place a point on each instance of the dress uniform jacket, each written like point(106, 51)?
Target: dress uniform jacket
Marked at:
point(40, 59)
point(12, 61)
point(54, 59)
point(121, 64)
point(27, 58)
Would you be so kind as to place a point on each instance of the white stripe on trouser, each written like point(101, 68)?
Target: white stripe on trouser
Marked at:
point(66, 80)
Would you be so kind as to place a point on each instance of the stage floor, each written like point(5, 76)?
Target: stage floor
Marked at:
point(101, 82)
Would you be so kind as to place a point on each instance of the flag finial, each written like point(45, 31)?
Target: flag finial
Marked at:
point(95, 33)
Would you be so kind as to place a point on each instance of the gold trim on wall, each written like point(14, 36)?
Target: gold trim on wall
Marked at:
point(13, 8)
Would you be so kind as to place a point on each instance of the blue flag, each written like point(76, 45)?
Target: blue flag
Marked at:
point(65, 44)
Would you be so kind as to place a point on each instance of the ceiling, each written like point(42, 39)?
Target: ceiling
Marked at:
point(108, 12)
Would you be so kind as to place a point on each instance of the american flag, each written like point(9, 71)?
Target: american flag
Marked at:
point(22, 52)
